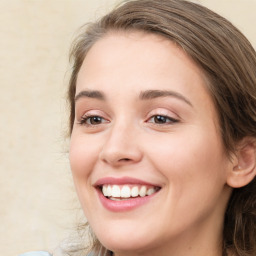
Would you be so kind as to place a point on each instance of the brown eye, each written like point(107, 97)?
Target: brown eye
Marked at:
point(160, 119)
point(94, 120)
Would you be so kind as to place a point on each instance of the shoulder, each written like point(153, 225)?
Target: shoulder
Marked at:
point(36, 253)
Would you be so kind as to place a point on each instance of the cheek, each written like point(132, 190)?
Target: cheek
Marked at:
point(192, 157)
point(82, 156)
point(194, 170)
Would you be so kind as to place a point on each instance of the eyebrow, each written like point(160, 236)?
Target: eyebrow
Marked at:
point(144, 95)
point(90, 94)
point(153, 94)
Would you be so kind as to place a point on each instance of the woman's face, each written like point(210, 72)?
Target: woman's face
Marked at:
point(146, 132)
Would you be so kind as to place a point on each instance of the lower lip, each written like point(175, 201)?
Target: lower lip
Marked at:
point(123, 205)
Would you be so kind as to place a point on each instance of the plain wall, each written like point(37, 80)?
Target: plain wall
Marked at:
point(38, 206)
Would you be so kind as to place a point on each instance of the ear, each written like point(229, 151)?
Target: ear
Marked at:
point(244, 167)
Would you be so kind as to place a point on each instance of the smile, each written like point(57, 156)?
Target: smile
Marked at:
point(126, 192)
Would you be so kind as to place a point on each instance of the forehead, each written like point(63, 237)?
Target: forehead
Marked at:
point(137, 55)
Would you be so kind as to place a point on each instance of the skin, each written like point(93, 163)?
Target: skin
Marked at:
point(184, 157)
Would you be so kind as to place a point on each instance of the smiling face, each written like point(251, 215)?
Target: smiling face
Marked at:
point(146, 134)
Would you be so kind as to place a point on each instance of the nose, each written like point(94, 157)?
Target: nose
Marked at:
point(121, 146)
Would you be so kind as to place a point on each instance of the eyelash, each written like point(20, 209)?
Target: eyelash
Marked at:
point(84, 119)
point(163, 118)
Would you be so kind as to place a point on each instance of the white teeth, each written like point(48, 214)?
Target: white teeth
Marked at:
point(143, 191)
point(125, 192)
point(115, 192)
point(150, 191)
point(105, 190)
point(115, 199)
point(109, 190)
point(135, 191)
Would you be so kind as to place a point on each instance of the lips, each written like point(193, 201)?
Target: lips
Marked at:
point(122, 194)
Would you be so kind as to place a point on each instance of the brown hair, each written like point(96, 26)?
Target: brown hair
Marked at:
point(228, 61)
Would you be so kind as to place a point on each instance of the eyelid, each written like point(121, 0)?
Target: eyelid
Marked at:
point(94, 112)
point(162, 112)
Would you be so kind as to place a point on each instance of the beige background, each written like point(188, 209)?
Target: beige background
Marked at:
point(38, 207)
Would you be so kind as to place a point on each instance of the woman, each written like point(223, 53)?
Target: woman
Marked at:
point(163, 131)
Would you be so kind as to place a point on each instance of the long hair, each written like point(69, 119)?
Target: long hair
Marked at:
point(228, 61)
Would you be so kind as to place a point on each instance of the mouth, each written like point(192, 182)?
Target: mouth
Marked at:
point(122, 192)
point(125, 193)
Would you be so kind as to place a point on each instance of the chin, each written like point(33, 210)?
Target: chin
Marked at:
point(126, 239)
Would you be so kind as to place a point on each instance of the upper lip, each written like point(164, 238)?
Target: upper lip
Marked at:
point(122, 181)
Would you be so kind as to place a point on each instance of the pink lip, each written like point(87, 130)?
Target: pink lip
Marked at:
point(122, 181)
point(124, 205)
